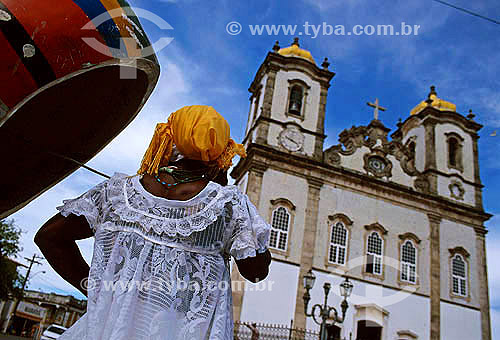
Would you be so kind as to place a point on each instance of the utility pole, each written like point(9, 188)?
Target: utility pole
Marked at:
point(31, 261)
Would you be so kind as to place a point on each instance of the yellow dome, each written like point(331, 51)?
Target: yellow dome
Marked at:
point(438, 103)
point(296, 51)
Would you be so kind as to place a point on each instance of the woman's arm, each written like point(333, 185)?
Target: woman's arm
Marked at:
point(56, 240)
point(256, 268)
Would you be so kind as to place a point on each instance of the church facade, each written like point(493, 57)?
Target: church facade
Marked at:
point(399, 214)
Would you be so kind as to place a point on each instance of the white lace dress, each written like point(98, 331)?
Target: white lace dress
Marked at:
point(160, 268)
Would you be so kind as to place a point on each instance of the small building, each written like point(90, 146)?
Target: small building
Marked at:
point(39, 310)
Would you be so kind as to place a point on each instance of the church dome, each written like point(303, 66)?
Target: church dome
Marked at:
point(295, 51)
point(437, 103)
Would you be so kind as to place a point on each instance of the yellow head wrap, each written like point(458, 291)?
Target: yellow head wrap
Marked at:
point(198, 132)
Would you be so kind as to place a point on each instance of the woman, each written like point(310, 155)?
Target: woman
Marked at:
point(163, 238)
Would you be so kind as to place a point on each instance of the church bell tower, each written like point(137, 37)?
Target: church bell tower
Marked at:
point(287, 102)
point(285, 121)
point(444, 144)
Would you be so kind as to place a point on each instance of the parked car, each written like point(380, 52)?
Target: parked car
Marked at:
point(53, 332)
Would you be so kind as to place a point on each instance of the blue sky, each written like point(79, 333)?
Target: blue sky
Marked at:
point(456, 52)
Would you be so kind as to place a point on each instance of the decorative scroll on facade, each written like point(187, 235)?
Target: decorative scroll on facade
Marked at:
point(376, 161)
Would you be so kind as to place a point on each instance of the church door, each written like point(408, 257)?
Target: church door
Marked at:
point(332, 332)
point(368, 330)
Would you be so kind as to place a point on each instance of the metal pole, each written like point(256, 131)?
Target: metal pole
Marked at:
point(324, 311)
point(323, 330)
point(31, 261)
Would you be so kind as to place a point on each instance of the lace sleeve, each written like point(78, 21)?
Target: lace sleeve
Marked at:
point(250, 231)
point(90, 205)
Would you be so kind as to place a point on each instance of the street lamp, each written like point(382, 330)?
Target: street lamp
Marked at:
point(325, 310)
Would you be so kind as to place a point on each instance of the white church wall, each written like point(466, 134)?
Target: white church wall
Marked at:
point(409, 313)
point(365, 210)
point(243, 183)
point(442, 151)
point(249, 117)
point(273, 302)
point(459, 323)
point(452, 235)
point(418, 133)
point(261, 97)
point(309, 141)
point(444, 190)
point(254, 114)
point(398, 175)
point(280, 98)
point(356, 160)
point(254, 137)
point(276, 185)
point(273, 134)
point(387, 307)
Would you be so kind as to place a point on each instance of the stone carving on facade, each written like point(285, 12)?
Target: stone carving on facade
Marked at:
point(377, 164)
point(410, 235)
point(457, 190)
point(377, 227)
point(459, 250)
point(422, 184)
point(374, 137)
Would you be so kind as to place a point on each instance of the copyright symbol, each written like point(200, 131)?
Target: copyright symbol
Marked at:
point(87, 283)
point(233, 28)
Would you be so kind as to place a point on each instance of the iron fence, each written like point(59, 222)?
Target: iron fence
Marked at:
point(272, 332)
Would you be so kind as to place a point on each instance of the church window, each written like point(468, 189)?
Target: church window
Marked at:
point(295, 101)
point(256, 105)
point(454, 145)
point(338, 244)
point(453, 151)
point(408, 262)
point(412, 147)
point(375, 246)
point(459, 275)
point(279, 228)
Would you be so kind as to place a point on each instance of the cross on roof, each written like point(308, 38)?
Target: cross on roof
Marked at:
point(376, 108)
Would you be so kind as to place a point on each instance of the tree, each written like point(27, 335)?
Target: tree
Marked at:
point(10, 280)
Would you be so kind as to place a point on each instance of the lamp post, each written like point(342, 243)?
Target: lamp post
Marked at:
point(325, 310)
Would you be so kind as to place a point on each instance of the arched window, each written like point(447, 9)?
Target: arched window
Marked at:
point(412, 147)
point(454, 144)
point(280, 225)
point(453, 151)
point(338, 244)
point(459, 275)
point(295, 100)
point(374, 252)
point(408, 262)
point(256, 105)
